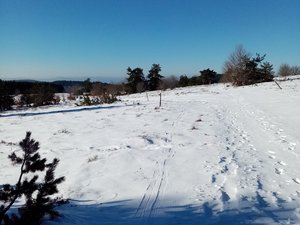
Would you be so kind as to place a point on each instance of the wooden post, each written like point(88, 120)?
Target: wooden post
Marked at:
point(277, 84)
point(160, 99)
point(147, 96)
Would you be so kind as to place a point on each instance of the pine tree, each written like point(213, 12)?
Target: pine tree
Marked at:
point(267, 71)
point(154, 77)
point(183, 81)
point(208, 76)
point(135, 80)
point(37, 194)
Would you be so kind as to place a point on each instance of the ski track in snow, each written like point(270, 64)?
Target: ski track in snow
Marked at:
point(149, 204)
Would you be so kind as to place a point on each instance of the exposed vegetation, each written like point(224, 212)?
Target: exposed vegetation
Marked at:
point(287, 70)
point(38, 194)
point(241, 69)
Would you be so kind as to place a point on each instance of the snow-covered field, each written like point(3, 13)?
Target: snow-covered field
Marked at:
point(209, 155)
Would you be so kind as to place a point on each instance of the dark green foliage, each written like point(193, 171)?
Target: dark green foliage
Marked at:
point(194, 80)
point(154, 77)
point(6, 100)
point(87, 85)
point(22, 87)
point(135, 80)
point(267, 71)
point(42, 95)
point(25, 100)
point(208, 76)
point(183, 81)
point(37, 194)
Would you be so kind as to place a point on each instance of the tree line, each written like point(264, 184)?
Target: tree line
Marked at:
point(241, 68)
point(137, 82)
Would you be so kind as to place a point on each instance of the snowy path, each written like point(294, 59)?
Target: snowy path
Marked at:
point(209, 155)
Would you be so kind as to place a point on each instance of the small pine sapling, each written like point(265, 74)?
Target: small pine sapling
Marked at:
point(38, 201)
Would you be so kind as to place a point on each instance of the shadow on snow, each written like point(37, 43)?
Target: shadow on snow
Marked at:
point(59, 111)
point(124, 212)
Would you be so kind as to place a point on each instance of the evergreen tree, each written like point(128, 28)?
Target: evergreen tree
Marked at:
point(267, 71)
point(183, 81)
point(6, 100)
point(135, 80)
point(37, 195)
point(208, 76)
point(154, 77)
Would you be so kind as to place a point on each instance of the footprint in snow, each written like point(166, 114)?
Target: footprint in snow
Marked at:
point(283, 139)
point(272, 156)
point(292, 146)
point(282, 163)
point(279, 131)
point(279, 171)
point(296, 180)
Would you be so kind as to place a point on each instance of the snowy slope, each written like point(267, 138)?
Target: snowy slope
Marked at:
point(209, 155)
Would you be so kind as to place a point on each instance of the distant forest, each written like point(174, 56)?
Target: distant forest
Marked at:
point(13, 87)
point(23, 87)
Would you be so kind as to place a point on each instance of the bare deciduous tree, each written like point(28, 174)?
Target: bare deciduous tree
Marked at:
point(168, 83)
point(284, 70)
point(287, 70)
point(235, 64)
point(295, 70)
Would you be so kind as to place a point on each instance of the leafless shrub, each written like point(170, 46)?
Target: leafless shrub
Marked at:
point(168, 83)
point(287, 70)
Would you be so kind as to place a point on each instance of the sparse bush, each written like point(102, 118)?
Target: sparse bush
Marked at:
point(25, 100)
point(71, 97)
point(295, 70)
point(108, 98)
point(86, 101)
point(38, 200)
point(168, 83)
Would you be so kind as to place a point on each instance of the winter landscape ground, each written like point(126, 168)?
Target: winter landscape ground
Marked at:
point(209, 155)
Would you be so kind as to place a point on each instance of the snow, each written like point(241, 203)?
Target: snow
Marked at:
point(210, 155)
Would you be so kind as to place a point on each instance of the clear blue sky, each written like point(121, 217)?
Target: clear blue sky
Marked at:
point(76, 39)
